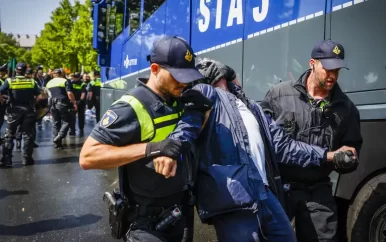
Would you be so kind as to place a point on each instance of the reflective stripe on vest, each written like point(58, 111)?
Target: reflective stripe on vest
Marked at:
point(96, 83)
point(154, 129)
point(56, 82)
point(21, 83)
point(78, 86)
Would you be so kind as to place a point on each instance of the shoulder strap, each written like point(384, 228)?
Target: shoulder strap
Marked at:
point(148, 100)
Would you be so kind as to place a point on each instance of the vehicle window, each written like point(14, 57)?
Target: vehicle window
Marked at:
point(133, 8)
point(150, 7)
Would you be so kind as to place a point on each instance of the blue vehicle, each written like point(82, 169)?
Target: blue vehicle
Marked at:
point(266, 42)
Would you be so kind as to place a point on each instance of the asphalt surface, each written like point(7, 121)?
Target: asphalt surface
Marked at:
point(55, 200)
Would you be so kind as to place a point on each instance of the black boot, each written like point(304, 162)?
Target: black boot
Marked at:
point(58, 142)
point(27, 161)
point(6, 161)
point(18, 144)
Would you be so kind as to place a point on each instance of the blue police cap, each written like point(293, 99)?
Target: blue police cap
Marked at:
point(28, 71)
point(330, 54)
point(176, 55)
point(58, 71)
point(21, 66)
point(4, 68)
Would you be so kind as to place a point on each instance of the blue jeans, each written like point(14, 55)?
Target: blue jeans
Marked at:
point(266, 221)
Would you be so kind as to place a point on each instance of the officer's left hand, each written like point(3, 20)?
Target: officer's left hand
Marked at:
point(345, 160)
point(165, 166)
point(195, 100)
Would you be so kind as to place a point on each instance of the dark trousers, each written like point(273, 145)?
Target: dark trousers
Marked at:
point(25, 117)
point(314, 210)
point(97, 108)
point(81, 118)
point(265, 222)
point(18, 134)
point(2, 114)
point(61, 118)
point(143, 230)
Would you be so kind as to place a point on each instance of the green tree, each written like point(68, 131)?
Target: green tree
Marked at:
point(8, 39)
point(81, 37)
point(66, 41)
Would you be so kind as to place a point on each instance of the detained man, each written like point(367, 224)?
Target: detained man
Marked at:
point(238, 185)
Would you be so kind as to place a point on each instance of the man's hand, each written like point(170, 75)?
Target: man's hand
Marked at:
point(165, 166)
point(345, 158)
point(168, 147)
point(330, 155)
point(195, 100)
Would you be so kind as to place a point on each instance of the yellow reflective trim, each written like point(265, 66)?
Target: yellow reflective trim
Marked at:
point(77, 86)
point(144, 119)
point(166, 118)
point(163, 132)
point(56, 82)
point(21, 83)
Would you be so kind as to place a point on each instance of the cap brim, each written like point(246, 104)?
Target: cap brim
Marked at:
point(332, 64)
point(186, 75)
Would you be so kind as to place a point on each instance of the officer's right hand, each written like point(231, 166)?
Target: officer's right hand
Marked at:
point(75, 107)
point(195, 100)
point(168, 147)
point(165, 166)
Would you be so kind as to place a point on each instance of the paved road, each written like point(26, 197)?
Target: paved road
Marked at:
point(55, 200)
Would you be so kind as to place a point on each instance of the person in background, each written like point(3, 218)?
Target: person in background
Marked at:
point(79, 89)
point(23, 93)
point(314, 110)
point(94, 94)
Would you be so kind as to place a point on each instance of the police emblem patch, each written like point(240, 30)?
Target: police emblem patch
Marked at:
point(108, 118)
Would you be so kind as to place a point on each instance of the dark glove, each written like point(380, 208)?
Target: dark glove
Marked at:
point(80, 102)
point(195, 100)
point(344, 160)
point(168, 147)
point(90, 104)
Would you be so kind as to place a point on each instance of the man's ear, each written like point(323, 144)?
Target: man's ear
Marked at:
point(155, 68)
point(312, 63)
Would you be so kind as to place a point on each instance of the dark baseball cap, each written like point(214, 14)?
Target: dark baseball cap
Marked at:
point(76, 74)
point(28, 71)
point(330, 54)
point(176, 55)
point(58, 71)
point(21, 66)
point(4, 68)
point(214, 70)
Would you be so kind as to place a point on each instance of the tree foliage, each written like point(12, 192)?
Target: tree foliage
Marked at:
point(66, 41)
point(9, 48)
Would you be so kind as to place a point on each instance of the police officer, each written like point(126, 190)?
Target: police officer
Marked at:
point(3, 107)
point(133, 131)
point(18, 135)
point(94, 93)
point(63, 103)
point(314, 110)
point(79, 90)
point(21, 112)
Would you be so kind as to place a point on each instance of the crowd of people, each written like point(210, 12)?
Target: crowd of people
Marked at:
point(28, 95)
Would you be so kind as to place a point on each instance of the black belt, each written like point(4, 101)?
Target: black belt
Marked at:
point(307, 186)
point(148, 211)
